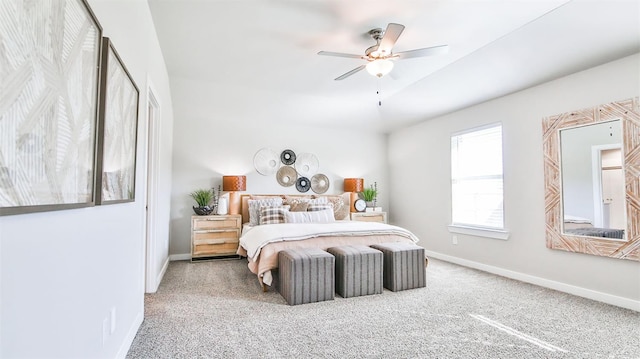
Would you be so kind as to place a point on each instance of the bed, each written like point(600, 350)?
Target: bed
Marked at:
point(575, 222)
point(287, 226)
point(596, 232)
point(579, 226)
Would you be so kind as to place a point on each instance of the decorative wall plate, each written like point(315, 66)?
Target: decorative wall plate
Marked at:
point(286, 176)
point(303, 184)
point(319, 183)
point(266, 161)
point(307, 164)
point(288, 157)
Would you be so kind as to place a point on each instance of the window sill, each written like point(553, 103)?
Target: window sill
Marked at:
point(479, 231)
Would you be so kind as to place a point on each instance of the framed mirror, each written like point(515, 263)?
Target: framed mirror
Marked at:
point(592, 180)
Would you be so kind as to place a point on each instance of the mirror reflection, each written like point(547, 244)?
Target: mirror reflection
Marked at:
point(593, 194)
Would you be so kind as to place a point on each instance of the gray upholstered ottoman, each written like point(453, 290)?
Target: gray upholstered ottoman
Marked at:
point(306, 275)
point(404, 265)
point(358, 270)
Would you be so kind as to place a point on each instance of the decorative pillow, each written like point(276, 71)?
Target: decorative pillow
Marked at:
point(290, 200)
point(299, 207)
point(324, 216)
point(272, 214)
point(265, 196)
point(319, 207)
point(340, 207)
point(254, 208)
point(245, 198)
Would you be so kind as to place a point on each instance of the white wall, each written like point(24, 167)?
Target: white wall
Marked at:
point(62, 272)
point(209, 143)
point(422, 152)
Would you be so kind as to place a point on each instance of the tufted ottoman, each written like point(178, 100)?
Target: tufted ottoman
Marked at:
point(306, 275)
point(358, 270)
point(404, 265)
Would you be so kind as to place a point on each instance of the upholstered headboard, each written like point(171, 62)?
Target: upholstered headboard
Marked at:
point(244, 200)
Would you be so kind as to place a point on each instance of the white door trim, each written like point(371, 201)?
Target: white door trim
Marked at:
point(596, 174)
point(153, 138)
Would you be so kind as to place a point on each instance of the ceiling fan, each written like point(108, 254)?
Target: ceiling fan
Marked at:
point(379, 56)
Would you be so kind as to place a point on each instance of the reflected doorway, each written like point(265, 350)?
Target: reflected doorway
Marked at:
point(609, 197)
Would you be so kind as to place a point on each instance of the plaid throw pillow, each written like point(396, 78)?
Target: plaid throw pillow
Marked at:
point(318, 207)
point(272, 214)
point(254, 208)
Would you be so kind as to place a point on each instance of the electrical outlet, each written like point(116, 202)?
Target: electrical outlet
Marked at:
point(454, 239)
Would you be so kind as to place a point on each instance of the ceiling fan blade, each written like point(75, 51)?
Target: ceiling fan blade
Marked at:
point(427, 51)
point(342, 77)
point(339, 54)
point(391, 35)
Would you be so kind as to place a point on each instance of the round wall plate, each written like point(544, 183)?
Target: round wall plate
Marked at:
point(303, 184)
point(319, 183)
point(266, 161)
point(286, 176)
point(307, 164)
point(288, 157)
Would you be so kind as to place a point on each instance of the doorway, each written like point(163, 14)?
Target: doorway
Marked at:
point(608, 186)
point(152, 267)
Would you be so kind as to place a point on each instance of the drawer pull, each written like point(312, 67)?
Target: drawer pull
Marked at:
point(216, 231)
point(216, 241)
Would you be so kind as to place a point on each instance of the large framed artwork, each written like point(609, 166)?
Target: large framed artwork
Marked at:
point(49, 77)
point(117, 130)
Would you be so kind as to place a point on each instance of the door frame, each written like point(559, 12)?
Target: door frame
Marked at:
point(596, 174)
point(153, 138)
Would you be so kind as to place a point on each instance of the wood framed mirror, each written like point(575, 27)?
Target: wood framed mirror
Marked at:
point(596, 230)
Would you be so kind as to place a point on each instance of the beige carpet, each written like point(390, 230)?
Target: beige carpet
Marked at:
point(217, 310)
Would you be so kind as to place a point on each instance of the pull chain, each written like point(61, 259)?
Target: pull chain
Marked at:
point(378, 93)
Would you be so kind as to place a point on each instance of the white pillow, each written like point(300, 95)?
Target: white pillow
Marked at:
point(254, 208)
point(324, 216)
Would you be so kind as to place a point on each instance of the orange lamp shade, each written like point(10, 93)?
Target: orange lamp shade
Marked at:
point(353, 184)
point(234, 183)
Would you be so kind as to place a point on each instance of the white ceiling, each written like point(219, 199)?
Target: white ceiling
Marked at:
point(268, 48)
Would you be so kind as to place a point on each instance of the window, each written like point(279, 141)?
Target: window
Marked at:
point(476, 179)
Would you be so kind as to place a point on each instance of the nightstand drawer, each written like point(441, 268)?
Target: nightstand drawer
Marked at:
point(380, 217)
point(211, 249)
point(213, 222)
point(216, 235)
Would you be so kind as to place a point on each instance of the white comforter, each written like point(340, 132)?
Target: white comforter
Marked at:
point(258, 237)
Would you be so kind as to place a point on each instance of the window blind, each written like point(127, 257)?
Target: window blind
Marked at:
point(476, 178)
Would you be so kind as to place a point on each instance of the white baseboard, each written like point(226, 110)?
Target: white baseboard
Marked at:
point(180, 257)
point(162, 272)
point(159, 277)
point(128, 340)
point(559, 286)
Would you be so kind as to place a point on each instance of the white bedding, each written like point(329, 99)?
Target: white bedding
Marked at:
point(259, 236)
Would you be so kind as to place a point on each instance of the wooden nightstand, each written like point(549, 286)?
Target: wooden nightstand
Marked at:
point(215, 236)
point(369, 216)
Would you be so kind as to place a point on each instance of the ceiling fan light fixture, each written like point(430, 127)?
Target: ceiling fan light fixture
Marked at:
point(379, 67)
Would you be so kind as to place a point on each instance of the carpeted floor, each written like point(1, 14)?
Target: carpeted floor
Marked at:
point(216, 309)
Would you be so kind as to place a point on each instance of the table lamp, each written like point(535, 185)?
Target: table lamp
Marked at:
point(353, 185)
point(233, 184)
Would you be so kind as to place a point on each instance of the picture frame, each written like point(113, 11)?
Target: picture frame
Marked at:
point(48, 106)
point(117, 130)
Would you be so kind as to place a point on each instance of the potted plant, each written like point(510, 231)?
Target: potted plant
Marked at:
point(370, 195)
point(203, 198)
